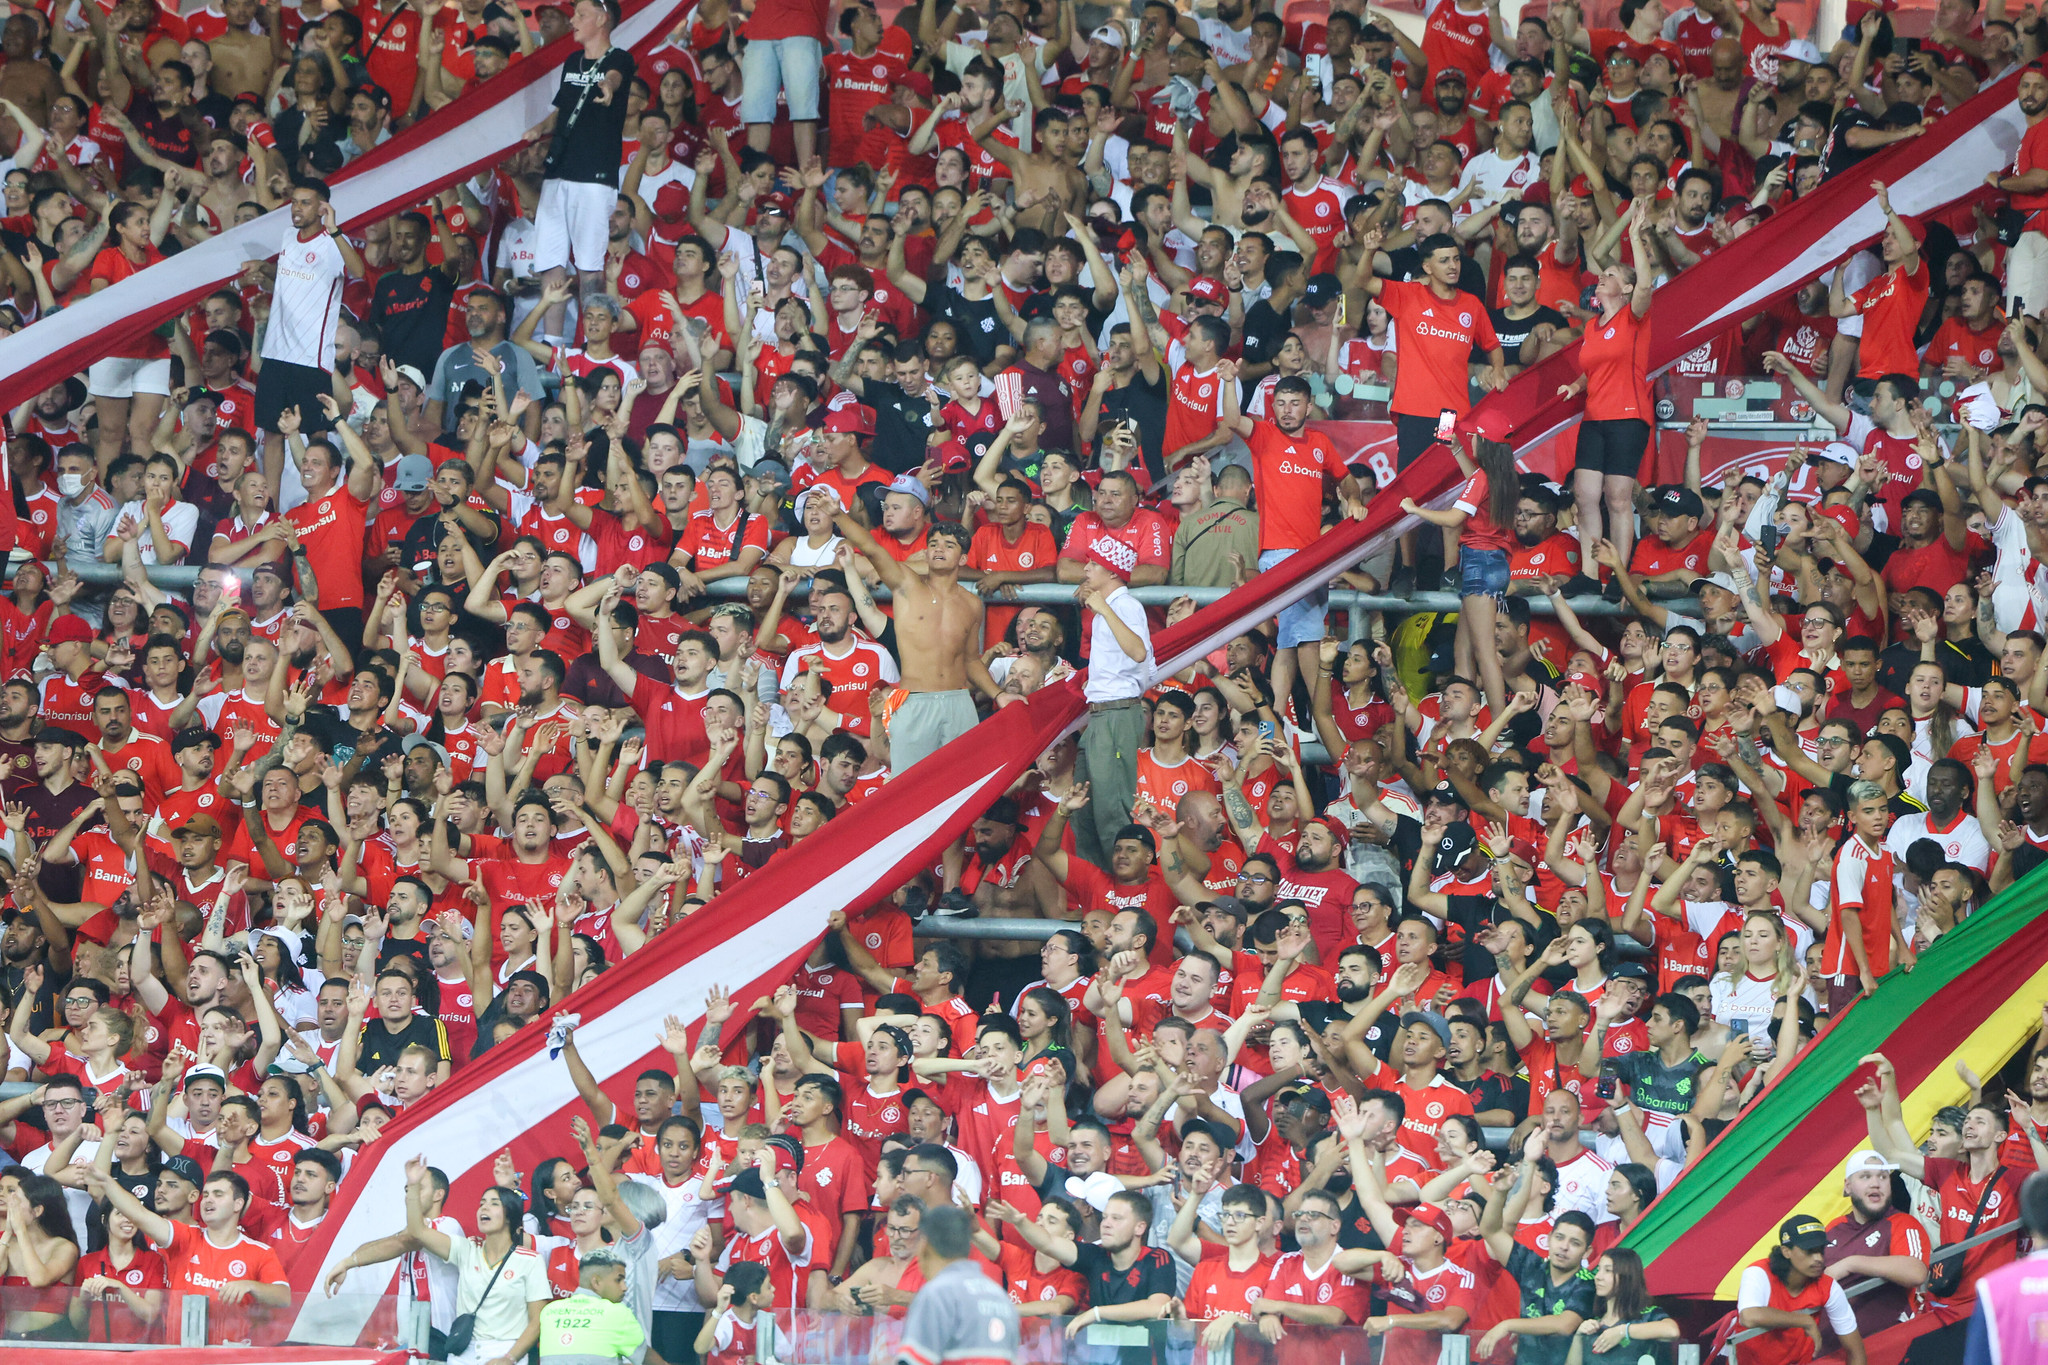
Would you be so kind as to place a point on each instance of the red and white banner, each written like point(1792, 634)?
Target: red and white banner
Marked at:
point(1945, 164)
point(752, 938)
point(472, 133)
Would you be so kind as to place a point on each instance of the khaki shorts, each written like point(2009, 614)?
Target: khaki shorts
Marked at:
point(926, 723)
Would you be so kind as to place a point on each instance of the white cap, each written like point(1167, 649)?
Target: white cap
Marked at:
point(1110, 35)
point(1867, 1160)
point(1838, 452)
point(1802, 50)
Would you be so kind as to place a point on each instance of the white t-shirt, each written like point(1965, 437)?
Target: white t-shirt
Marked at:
point(686, 1213)
point(181, 523)
point(524, 1280)
point(1745, 1004)
point(77, 1201)
point(305, 305)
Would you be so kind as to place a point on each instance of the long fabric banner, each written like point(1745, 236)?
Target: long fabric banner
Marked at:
point(452, 144)
point(753, 937)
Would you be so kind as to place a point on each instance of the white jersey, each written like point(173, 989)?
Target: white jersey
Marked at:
point(1962, 841)
point(305, 305)
point(1582, 1185)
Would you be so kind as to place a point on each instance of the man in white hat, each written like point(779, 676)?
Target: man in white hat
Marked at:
point(1875, 1240)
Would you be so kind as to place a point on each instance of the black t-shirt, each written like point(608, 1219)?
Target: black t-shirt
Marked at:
point(1264, 329)
point(412, 313)
point(903, 426)
point(974, 321)
point(589, 134)
point(1840, 155)
point(1142, 402)
point(380, 1046)
point(1495, 1091)
point(1513, 333)
point(1152, 1273)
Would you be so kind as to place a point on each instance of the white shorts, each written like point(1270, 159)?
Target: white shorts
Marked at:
point(124, 377)
point(573, 225)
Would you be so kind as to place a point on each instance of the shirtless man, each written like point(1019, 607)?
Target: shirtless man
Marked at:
point(938, 630)
point(1715, 96)
point(875, 1287)
point(29, 83)
point(1049, 176)
point(1012, 885)
point(225, 190)
point(246, 54)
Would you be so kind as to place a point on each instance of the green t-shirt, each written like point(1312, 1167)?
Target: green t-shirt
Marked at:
point(1543, 1297)
point(588, 1327)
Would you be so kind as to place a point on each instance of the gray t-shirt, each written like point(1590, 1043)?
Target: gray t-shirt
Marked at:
point(457, 366)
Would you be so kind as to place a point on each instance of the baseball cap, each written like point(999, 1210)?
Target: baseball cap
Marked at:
point(70, 630)
point(1720, 580)
point(185, 1168)
point(204, 1073)
point(412, 375)
point(1804, 1231)
point(1109, 35)
point(1321, 289)
point(1921, 497)
point(1679, 501)
point(1445, 793)
point(792, 1158)
point(775, 203)
point(1630, 971)
point(1451, 73)
point(1457, 841)
point(748, 1182)
point(412, 742)
point(192, 738)
point(415, 472)
point(911, 486)
point(857, 418)
point(775, 471)
point(1837, 452)
point(1435, 1022)
point(1433, 1216)
point(271, 567)
point(1208, 290)
point(60, 736)
point(1915, 229)
point(1867, 1160)
point(917, 83)
point(1845, 514)
point(206, 827)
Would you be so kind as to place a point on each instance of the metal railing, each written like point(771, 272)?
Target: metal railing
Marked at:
point(183, 576)
point(1875, 1282)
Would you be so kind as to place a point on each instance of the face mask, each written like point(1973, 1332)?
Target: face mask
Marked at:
point(71, 485)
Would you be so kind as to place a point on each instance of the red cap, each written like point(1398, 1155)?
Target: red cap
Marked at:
point(1581, 678)
point(1336, 828)
point(1432, 1215)
point(1486, 421)
point(71, 628)
point(918, 84)
point(1208, 290)
point(777, 202)
point(1111, 553)
point(1914, 228)
point(857, 418)
point(671, 202)
point(1846, 515)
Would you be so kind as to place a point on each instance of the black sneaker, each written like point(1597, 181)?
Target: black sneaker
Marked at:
point(1611, 590)
point(1403, 581)
point(955, 905)
point(916, 902)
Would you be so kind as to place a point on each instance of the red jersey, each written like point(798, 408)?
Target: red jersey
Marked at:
point(1289, 472)
point(1437, 338)
point(1862, 881)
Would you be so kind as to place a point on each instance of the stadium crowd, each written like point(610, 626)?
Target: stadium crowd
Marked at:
point(459, 715)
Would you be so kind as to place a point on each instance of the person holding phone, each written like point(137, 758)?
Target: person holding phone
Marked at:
point(1480, 515)
point(1614, 359)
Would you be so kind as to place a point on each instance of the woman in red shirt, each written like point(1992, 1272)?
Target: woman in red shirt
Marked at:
point(1615, 362)
point(121, 1287)
point(130, 387)
point(1481, 515)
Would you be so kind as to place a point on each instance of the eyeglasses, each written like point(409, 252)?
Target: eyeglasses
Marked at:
point(1241, 1215)
point(63, 1104)
point(71, 1000)
point(1300, 1214)
point(1255, 878)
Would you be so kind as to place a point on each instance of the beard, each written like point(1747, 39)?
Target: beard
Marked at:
point(231, 650)
point(303, 659)
point(529, 697)
point(1351, 992)
point(1254, 215)
point(837, 634)
point(1529, 540)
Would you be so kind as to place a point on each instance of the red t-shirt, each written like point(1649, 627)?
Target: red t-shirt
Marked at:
point(1616, 358)
point(1891, 306)
point(1289, 472)
point(1437, 338)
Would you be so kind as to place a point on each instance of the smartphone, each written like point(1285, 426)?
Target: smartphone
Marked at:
point(1446, 423)
point(1343, 310)
point(231, 588)
point(1909, 45)
point(1266, 730)
point(1605, 1086)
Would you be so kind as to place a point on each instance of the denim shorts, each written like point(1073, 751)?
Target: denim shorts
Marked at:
point(774, 65)
point(1482, 573)
point(1302, 623)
